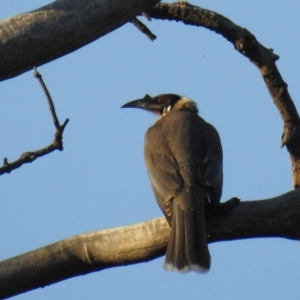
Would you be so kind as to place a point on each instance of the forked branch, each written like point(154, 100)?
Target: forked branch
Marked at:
point(57, 143)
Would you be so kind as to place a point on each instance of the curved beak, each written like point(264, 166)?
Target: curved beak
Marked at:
point(139, 103)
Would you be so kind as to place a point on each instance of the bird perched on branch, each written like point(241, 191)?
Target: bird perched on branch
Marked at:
point(183, 155)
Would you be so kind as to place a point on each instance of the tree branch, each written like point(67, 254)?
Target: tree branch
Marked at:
point(49, 99)
point(54, 30)
point(96, 251)
point(264, 59)
point(143, 28)
point(57, 144)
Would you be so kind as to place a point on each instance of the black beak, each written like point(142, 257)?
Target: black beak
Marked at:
point(139, 103)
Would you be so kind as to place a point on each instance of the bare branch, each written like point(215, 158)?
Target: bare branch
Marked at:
point(48, 97)
point(262, 57)
point(37, 37)
point(143, 28)
point(57, 144)
point(96, 251)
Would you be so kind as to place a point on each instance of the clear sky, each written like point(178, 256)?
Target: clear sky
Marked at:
point(99, 181)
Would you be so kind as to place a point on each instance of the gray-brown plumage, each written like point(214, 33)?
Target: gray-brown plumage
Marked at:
point(183, 156)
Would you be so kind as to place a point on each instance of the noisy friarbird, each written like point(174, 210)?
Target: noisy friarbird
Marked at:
point(183, 155)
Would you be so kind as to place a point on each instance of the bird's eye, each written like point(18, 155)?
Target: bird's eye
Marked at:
point(160, 100)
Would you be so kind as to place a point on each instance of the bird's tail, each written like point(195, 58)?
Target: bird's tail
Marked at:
point(187, 249)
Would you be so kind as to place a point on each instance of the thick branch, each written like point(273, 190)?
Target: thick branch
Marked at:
point(86, 253)
point(42, 35)
point(246, 43)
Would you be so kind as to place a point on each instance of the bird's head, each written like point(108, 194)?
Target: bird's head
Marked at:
point(160, 104)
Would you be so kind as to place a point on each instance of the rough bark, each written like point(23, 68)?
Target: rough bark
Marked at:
point(95, 251)
point(37, 37)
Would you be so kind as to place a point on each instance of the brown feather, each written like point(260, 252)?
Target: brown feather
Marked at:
point(183, 155)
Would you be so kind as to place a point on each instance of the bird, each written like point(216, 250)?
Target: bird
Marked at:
point(184, 159)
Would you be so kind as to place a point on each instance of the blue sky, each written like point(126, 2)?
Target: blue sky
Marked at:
point(99, 181)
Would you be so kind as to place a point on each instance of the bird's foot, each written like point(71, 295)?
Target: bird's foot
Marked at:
point(226, 207)
point(221, 209)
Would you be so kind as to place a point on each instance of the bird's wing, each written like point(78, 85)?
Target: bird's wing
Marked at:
point(180, 151)
point(210, 158)
point(162, 169)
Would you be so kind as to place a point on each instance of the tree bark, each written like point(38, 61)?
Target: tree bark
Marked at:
point(54, 30)
point(95, 251)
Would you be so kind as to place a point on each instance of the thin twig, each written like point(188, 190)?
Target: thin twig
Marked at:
point(57, 143)
point(143, 28)
point(48, 97)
